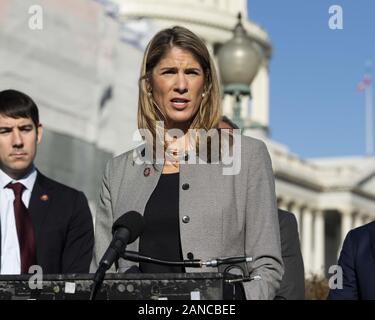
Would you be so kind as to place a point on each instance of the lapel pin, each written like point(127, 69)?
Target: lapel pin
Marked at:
point(146, 172)
point(44, 197)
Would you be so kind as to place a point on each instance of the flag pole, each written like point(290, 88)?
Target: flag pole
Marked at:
point(369, 122)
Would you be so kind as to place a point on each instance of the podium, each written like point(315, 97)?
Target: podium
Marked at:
point(132, 286)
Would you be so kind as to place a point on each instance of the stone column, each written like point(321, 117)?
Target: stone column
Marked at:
point(293, 208)
point(346, 223)
point(358, 220)
point(260, 96)
point(307, 224)
point(369, 219)
point(319, 242)
point(283, 205)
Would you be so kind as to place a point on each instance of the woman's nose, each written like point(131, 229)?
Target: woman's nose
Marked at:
point(181, 83)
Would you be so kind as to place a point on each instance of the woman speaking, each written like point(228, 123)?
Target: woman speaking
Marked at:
point(193, 206)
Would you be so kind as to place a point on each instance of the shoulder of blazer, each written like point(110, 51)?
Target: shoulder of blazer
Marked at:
point(251, 146)
point(130, 155)
point(48, 184)
point(357, 234)
point(287, 219)
point(254, 153)
point(363, 233)
point(371, 227)
point(360, 236)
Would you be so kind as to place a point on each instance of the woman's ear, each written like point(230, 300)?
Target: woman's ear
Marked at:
point(148, 86)
point(206, 91)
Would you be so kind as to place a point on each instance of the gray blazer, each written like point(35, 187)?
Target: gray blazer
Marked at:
point(230, 215)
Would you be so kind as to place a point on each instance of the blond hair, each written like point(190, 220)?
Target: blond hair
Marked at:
point(208, 113)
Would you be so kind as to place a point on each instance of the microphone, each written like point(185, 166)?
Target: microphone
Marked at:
point(125, 230)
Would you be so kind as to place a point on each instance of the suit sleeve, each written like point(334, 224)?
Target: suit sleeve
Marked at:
point(346, 261)
point(103, 221)
point(79, 242)
point(293, 282)
point(262, 241)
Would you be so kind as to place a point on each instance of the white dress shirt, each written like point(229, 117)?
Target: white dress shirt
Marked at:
point(10, 250)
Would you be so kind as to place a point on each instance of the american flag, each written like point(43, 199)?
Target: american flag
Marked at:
point(365, 82)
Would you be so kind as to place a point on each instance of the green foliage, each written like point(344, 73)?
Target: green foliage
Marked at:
point(316, 287)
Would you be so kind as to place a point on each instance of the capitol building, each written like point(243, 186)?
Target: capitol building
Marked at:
point(82, 69)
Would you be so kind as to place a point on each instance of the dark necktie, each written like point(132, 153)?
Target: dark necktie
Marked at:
point(25, 231)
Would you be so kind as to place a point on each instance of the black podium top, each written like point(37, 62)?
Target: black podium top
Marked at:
point(160, 286)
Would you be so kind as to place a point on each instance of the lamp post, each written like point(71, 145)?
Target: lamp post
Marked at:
point(239, 60)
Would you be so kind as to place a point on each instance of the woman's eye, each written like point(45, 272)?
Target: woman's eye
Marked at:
point(194, 72)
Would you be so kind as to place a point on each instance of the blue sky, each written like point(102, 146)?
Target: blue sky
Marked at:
point(315, 108)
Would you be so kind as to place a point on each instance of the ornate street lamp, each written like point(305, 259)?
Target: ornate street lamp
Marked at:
point(239, 60)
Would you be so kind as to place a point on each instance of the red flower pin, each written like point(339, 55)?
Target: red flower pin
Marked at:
point(146, 172)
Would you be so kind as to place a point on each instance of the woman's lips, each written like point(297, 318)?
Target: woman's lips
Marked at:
point(179, 104)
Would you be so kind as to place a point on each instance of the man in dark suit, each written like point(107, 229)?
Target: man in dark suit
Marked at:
point(357, 260)
point(43, 222)
point(292, 285)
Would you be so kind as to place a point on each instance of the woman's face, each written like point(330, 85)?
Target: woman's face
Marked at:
point(177, 86)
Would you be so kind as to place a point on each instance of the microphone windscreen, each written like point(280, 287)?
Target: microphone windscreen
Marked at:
point(133, 221)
